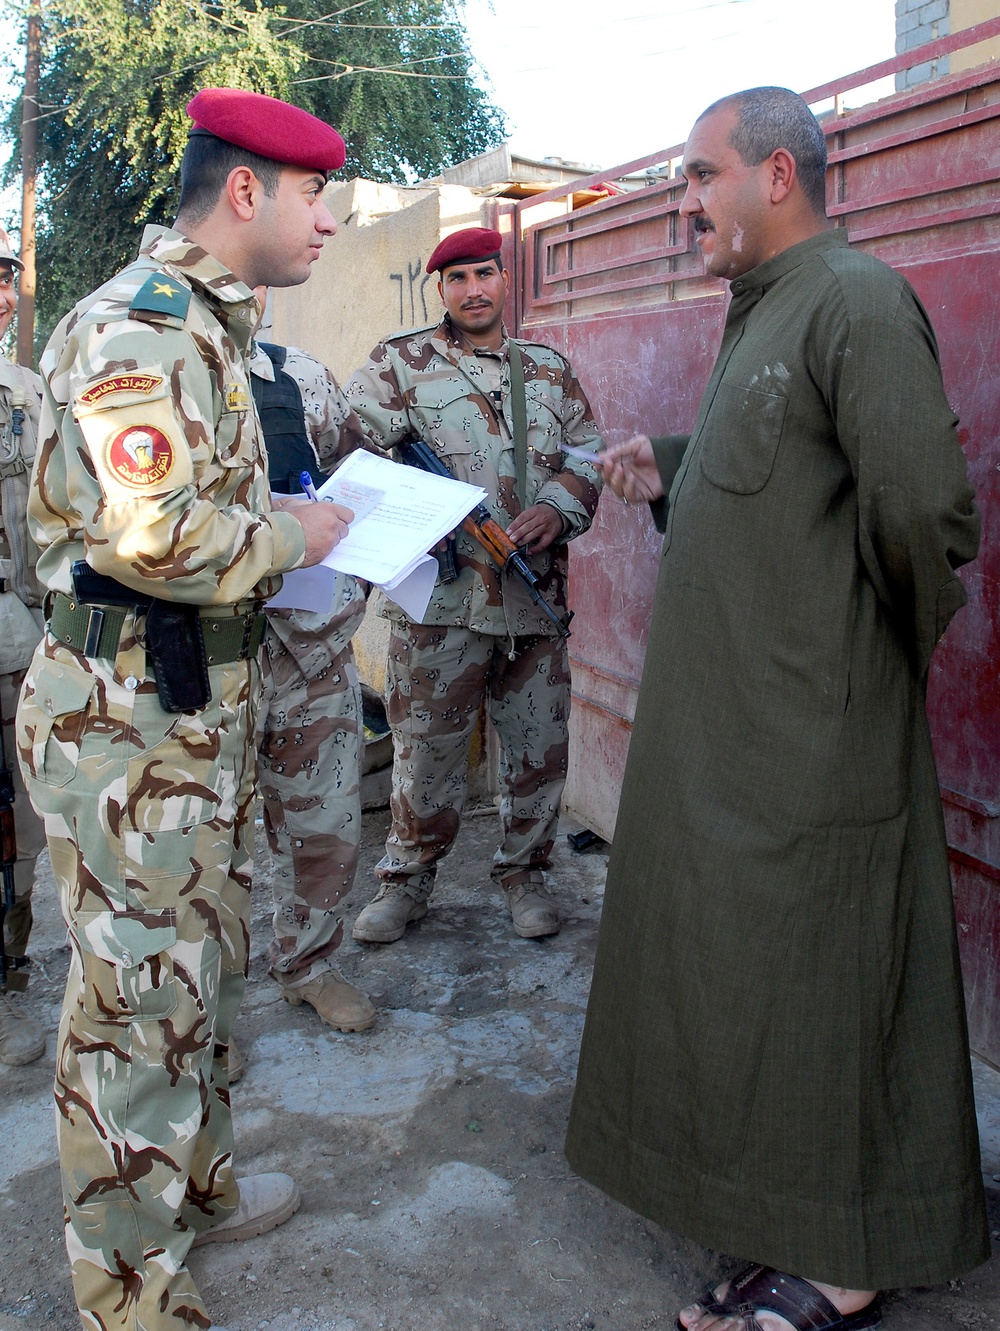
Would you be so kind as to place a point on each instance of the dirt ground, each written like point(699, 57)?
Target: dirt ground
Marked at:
point(429, 1150)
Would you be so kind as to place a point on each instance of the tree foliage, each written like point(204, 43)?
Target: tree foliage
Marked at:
point(394, 76)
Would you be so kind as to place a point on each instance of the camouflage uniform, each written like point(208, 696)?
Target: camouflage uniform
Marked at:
point(311, 733)
point(150, 465)
point(481, 637)
point(20, 630)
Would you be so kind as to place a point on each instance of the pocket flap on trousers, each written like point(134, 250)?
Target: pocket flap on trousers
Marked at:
point(62, 690)
point(127, 938)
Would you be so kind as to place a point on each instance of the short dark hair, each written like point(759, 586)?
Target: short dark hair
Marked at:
point(772, 118)
point(205, 168)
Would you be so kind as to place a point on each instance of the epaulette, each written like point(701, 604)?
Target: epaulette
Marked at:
point(162, 294)
point(546, 346)
point(412, 332)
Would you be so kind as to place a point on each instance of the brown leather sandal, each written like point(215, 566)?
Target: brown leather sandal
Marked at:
point(761, 1289)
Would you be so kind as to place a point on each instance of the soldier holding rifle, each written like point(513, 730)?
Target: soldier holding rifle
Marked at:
point(495, 411)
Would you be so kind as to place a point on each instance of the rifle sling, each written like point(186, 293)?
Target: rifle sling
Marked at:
point(519, 414)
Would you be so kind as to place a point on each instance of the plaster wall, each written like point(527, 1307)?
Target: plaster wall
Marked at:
point(966, 14)
point(370, 281)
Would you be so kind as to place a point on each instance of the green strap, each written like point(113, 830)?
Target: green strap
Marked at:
point(519, 412)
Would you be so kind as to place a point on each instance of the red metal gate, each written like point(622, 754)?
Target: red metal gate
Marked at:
point(915, 179)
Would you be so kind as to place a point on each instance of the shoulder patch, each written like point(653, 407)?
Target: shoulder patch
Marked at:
point(162, 294)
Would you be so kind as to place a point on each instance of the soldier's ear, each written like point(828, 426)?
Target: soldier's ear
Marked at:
point(242, 191)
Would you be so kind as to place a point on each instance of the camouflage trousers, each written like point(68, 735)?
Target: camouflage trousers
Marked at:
point(310, 738)
point(149, 820)
point(30, 835)
point(437, 680)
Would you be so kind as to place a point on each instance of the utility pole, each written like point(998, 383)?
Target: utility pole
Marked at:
point(29, 168)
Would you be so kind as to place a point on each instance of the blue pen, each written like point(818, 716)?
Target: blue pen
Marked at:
point(305, 480)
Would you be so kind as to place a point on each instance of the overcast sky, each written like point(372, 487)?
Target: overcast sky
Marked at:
point(606, 81)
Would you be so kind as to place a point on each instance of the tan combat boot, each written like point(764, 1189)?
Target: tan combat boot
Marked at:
point(388, 913)
point(237, 1063)
point(22, 1039)
point(338, 1003)
point(533, 911)
point(266, 1201)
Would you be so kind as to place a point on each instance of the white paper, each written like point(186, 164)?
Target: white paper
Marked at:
point(313, 588)
point(360, 499)
point(413, 592)
point(417, 511)
point(389, 545)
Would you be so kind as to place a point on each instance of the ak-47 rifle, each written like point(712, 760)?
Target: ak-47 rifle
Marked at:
point(488, 532)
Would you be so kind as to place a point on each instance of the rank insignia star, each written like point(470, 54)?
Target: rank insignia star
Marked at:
point(160, 295)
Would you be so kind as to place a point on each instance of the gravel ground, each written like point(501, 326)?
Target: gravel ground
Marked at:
point(429, 1150)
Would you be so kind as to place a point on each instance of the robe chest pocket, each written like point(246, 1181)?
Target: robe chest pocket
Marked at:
point(52, 720)
point(127, 964)
point(739, 455)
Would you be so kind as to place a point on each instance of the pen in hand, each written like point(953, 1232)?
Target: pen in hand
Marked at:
point(305, 480)
point(587, 454)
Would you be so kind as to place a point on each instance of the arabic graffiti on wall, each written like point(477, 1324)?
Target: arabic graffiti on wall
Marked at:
point(412, 300)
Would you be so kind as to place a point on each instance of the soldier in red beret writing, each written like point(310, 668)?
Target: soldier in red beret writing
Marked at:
point(159, 545)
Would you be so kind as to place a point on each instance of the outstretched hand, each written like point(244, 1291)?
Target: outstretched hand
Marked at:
point(630, 471)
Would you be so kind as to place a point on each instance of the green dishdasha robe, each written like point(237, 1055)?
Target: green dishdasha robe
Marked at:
point(775, 1060)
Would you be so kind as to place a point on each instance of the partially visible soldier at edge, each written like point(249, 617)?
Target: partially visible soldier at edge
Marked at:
point(311, 731)
point(481, 640)
point(22, 1038)
point(136, 725)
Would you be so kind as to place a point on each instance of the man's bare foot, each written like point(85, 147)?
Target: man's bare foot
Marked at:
point(698, 1318)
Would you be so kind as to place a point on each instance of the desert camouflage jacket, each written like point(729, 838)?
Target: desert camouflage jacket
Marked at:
point(426, 384)
point(333, 430)
point(19, 630)
point(150, 461)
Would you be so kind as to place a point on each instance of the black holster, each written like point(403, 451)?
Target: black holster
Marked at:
point(174, 640)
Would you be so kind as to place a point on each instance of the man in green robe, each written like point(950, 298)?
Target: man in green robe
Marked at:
point(775, 1061)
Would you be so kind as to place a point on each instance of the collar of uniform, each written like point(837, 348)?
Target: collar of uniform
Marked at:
point(766, 274)
point(260, 364)
point(221, 287)
point(448, 342)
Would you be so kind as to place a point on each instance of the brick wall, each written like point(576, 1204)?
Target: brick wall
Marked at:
point(919, 22)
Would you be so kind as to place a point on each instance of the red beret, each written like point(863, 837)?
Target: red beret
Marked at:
point(473, 245)
point(270, 128)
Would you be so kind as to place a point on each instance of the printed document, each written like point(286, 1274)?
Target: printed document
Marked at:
point(405, 512)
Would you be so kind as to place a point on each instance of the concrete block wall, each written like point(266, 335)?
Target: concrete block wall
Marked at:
point(917, 23)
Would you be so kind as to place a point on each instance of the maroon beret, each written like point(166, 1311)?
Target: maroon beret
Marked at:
point(473, 245)
point(268, 127)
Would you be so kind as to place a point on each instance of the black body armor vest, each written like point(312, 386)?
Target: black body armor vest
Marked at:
point(282, 417)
